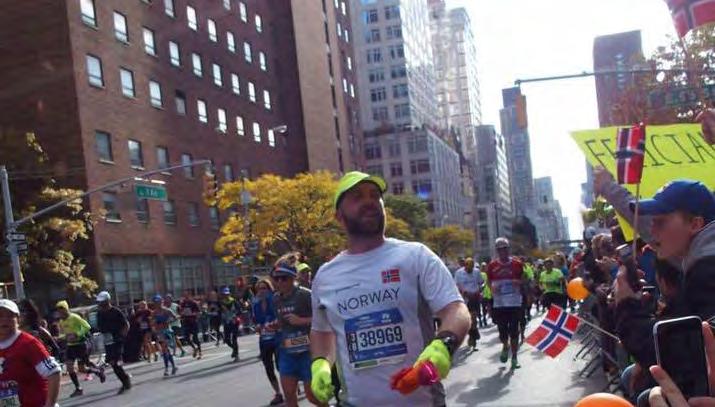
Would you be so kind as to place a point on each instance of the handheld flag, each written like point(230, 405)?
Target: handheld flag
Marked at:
point(689, 14)
point(554, 333)
point(629, 156)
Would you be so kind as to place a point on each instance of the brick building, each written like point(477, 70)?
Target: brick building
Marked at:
point(117, 87)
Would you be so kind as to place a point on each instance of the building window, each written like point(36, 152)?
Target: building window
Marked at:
point(247, 54)
point(394, 32)
point(228, 173)
point(378, 94)
point(162, 157)
point(180, 99)
point(347, 35)
point(231, 41)
point(397, 51)
point(379, 114)
point(376, 75)
point(372, 151)
point(256, 132)
point(128, 278)
point(169, 212)
point(372, 35)
point(398, 188)
point(259, 23)
point(155, 94)
point(191, 18)
point(402, 110)
point(267, 100)
point(213, 216)
point(352, 91)
point(193, 214)
point(149, 46)
point(136, 158)
point(235, 84)
point(374, 170)
point(422, 188)
point(374, 55)
point(262, 61)
point(174, 53)
point(218, 79)
point(240, 129)
point(142, 210)
point(211, 26)
point(251, 92)
point(242, 11)
point(396, 169)
point(94, 71)
point(394, 149)
point(400, 91)
point(392, 12)
point(169, 8)
point(342, 8)
point(186, 159)
point(398, 71)
point(201, 110)
point(120, 27)
point(370, 16)
point(196, 61)
point(345, 85)
point(227, 4)
point(419, 166)
point(349, 63)
point(104, 146)
point(271, 138)
point(222, 124)
point(111, 208)
point(87, 11)
point(339, 29)
point(184, 273)
point(127, 78)
point(417, 144)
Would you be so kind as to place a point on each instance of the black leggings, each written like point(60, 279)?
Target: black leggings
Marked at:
point(191, 334)
point(269, 357)
point(230, 336)
point(555, 299)
point(507, 320)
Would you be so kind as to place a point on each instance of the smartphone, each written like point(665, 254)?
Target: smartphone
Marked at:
point(680, 351)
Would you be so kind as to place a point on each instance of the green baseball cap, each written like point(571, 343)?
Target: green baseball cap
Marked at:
point(353, 178)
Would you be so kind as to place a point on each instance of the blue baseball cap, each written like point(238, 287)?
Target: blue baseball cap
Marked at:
point(689, 196)
point(284, 269)
point(226, 291)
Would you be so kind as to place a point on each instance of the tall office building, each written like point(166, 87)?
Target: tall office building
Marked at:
point(394, 63)
point(514, 127)
point(116, 88)
point(551, 225)
point(494, 203)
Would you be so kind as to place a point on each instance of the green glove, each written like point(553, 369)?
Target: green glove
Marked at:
point(437, 353)
point(322, 381)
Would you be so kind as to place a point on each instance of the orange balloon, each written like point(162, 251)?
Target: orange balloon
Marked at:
point(576, 290)
point(603, 400)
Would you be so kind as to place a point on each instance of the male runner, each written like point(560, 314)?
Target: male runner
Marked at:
point(506, 280)
point(175, 324)
point(229, 310)
point(161, 323)
point(374, 304)
point(190, 322)
point(113, 326)
point(75, 331)
point(469, 283)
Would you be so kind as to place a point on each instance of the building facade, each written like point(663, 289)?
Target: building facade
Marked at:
point(116, 88)
point(494, 209)
point(421, 163)
point(514, 127)
point(551, 225)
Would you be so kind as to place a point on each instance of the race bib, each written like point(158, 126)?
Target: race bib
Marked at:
point(108, 338)
point(143, 325)
point(506, 294)
point(296, 342)
point(71, 337)
point(9, 396)
point(375, 339)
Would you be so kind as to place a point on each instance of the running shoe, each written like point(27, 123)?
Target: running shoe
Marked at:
point(515, 363)
point(166, 372)
point(504, 356)
point(101, 375)
point(277, 400)
point(196, 351)
point(88, 377)
point(77, 392)
point(123, 389)
point(173, 370)
point(183, 353)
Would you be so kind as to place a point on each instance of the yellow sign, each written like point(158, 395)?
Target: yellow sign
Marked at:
point(674, 151)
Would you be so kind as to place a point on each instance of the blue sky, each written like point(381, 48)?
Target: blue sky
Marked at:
point(518, 39)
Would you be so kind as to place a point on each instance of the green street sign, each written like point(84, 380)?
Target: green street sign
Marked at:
point(154, 192)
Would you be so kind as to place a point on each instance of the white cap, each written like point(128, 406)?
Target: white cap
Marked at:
point(10, 305)
point(103, 296)
point(501, 243)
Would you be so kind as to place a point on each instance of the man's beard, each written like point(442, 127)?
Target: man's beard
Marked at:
point(357, 227)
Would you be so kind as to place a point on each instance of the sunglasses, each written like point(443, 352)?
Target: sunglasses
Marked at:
point(282, 278)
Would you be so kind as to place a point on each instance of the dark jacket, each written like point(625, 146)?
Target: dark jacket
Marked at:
point(634, 323)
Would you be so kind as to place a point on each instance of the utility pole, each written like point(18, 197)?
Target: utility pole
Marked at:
point(11, 243)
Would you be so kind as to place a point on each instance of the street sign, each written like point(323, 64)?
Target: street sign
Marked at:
point(659, 99)
point(21, 247)
point(15, 237)
point(154, 192)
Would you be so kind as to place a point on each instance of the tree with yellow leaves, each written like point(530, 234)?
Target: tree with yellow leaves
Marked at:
point(448, 241)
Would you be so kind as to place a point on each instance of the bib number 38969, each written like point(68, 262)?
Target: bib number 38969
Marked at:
point(376, 338)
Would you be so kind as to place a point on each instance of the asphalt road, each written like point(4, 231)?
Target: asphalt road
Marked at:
point(476, 379)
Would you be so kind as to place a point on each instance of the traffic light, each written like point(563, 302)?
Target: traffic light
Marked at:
point(210, 188)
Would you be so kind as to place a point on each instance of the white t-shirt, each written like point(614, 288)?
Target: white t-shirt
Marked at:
point(380, 305)
point(469, 282)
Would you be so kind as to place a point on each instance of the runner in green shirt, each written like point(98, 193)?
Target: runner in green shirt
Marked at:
point(552, 283)
point(487, 296)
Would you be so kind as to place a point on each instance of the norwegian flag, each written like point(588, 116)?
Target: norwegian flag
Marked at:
point(688, 14)
point(554, 333)
point(629, 156)
point(391, 276)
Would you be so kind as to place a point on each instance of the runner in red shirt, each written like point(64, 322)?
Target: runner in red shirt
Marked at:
point(29, 376)
point(505, 280)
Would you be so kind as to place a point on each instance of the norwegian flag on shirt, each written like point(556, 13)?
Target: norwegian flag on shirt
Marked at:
point(629, 156)
point(688, 14)
point(554, 333)
point(391, 276)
